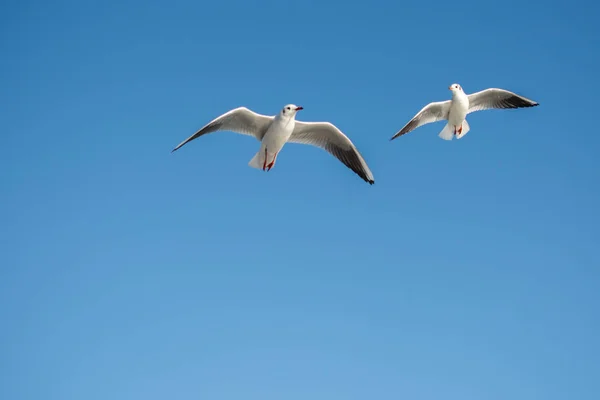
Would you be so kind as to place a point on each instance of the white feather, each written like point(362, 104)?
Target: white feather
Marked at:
point(447, 133)
point(258, 160)
point(465, 128)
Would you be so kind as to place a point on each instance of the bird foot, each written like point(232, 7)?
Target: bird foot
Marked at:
point(272, 164)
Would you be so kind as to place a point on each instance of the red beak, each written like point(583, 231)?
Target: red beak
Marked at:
point(450, 87)
point(299, 108)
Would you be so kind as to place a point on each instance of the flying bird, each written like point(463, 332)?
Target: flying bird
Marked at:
point(275, 131)
point(455, 110)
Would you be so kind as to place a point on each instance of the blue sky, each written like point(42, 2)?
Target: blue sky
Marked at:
point(469, 270)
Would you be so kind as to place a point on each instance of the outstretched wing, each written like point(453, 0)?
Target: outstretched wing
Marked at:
point(328, 137)
point(239, 120)
point(432, 112)
point(497, 99)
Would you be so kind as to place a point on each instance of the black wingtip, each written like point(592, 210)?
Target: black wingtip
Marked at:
point(397, 135)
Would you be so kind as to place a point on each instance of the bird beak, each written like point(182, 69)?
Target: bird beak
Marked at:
point(299, 108)
point(449, 87)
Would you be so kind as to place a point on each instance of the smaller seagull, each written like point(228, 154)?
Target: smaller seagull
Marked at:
point(455, 111)
point(275, 131)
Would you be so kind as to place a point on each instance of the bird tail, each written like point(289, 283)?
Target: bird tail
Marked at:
point(447, 132)
point(465, 129)
point(258, 160)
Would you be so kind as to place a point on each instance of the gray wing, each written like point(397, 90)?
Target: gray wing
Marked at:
point(328, 137)
point(239, 120)
point(497, 99)
point(432, 112)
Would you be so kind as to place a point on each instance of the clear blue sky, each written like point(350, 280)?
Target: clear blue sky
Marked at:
point(470, 270)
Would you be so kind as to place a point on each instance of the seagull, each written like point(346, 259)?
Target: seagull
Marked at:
point(275, 131)
point(456, 110)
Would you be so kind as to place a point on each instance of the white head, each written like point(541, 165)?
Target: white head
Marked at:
point(455, 88)
point(290, 110)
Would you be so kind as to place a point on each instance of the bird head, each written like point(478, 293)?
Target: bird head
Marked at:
point(290, 110)
point(455, 88)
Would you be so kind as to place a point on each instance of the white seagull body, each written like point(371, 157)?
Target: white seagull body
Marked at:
point(456, 110)
point(275, 131)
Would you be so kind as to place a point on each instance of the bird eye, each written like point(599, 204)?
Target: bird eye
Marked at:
point(288, 108)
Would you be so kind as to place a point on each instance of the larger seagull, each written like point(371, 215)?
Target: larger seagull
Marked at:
point(455, 110)
point(275, 131)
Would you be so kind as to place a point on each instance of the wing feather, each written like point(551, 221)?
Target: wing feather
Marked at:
point(328, 137)
point(497, 99)
point(432, 112)
point(239, 120)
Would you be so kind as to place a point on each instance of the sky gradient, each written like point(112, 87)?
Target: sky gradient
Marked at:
point(470, 270)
